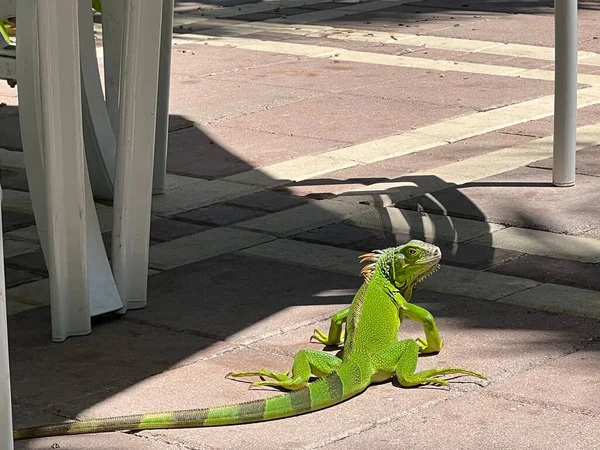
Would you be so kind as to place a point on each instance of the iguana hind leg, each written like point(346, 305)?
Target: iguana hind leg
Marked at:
point(336, 331)
point(306, 362)
point(401, 358)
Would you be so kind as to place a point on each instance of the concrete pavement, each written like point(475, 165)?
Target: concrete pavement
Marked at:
point(303, 133)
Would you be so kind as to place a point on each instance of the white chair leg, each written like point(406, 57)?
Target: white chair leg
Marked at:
point(99, 139)
point(6, 439)
point(162, 109)
point(30, 113)
point(113, 11)
point(64, 166)
point(135, 150)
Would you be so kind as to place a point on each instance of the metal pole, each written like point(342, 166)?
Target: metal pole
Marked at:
point(565, 92)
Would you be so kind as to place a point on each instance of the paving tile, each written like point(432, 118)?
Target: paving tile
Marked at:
point(558, 299)
point(545, 384)
point(337, 234)
point(476, 257)
point(552, 270)
point(112, 441)
point(544, 243)
point(163, 392)
point(423, 225)
point(464, 254)
point(206, 100)
point(14, 307)
point(167, 230)
point(499, 340)
point(185, 193)
point(219, 215)
point(11, 131)
point(179, 123)
point(117, 353)
point(11, 160)
point(308, 255)
point(261, 148)
point(413, 17)
point(219, 150)
point(545, 127)
point(523, 197)
point(202, 26)
point(12, 179)
point(340, 120)
point(240, 298)
point(14, 277)
point(587, 162)
point(464, 89)
point(499, 424)
point(18, 201)
point(192, 152)
point(389, 169)
point(476, 284)
point(326, 75)
point(32, 261)
point(302, 218)
point(201, 246)
point(12, 220)
point(269, 201)
point(495, 30)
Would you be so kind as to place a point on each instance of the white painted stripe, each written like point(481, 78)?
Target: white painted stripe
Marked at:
point(238, 10)
point(282, 25)
point(471, 169)
point(448, 280)
point(201, 246)
point(435, 42)
point(413, 62)
point(428, 137)
point(324, 212)
point(544, 243)
point(423, 225)
point(186, 193)
point(315, 256)
point(558, 299)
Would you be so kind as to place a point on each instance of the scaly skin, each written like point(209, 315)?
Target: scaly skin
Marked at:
point(406, 272)
point(371, 353)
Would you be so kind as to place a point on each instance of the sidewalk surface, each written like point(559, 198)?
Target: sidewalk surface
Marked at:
point(304, 132)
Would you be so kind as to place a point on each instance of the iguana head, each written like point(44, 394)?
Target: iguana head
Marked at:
point(404, 266)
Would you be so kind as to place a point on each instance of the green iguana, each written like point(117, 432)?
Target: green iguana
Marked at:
point(372, 353)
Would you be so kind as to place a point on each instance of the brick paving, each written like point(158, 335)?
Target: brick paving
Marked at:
point(283, 166)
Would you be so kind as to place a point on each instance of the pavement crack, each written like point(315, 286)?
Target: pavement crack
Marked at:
point(521, 399)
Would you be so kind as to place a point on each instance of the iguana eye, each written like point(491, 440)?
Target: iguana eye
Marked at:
point(411, 252)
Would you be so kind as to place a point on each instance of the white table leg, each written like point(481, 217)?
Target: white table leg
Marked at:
point(162, 110)
point(6, 440)
point(135, 150)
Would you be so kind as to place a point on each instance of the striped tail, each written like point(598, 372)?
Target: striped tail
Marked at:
point(320, 394)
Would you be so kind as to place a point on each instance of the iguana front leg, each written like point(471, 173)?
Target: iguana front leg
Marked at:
point(336, 331)
point(306, 362)
point(432, 342)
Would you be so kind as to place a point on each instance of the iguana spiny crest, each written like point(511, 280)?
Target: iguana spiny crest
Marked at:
point(404, 266)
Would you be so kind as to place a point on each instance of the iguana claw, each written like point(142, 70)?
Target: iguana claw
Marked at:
point(324, 339)
point(424, 346)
